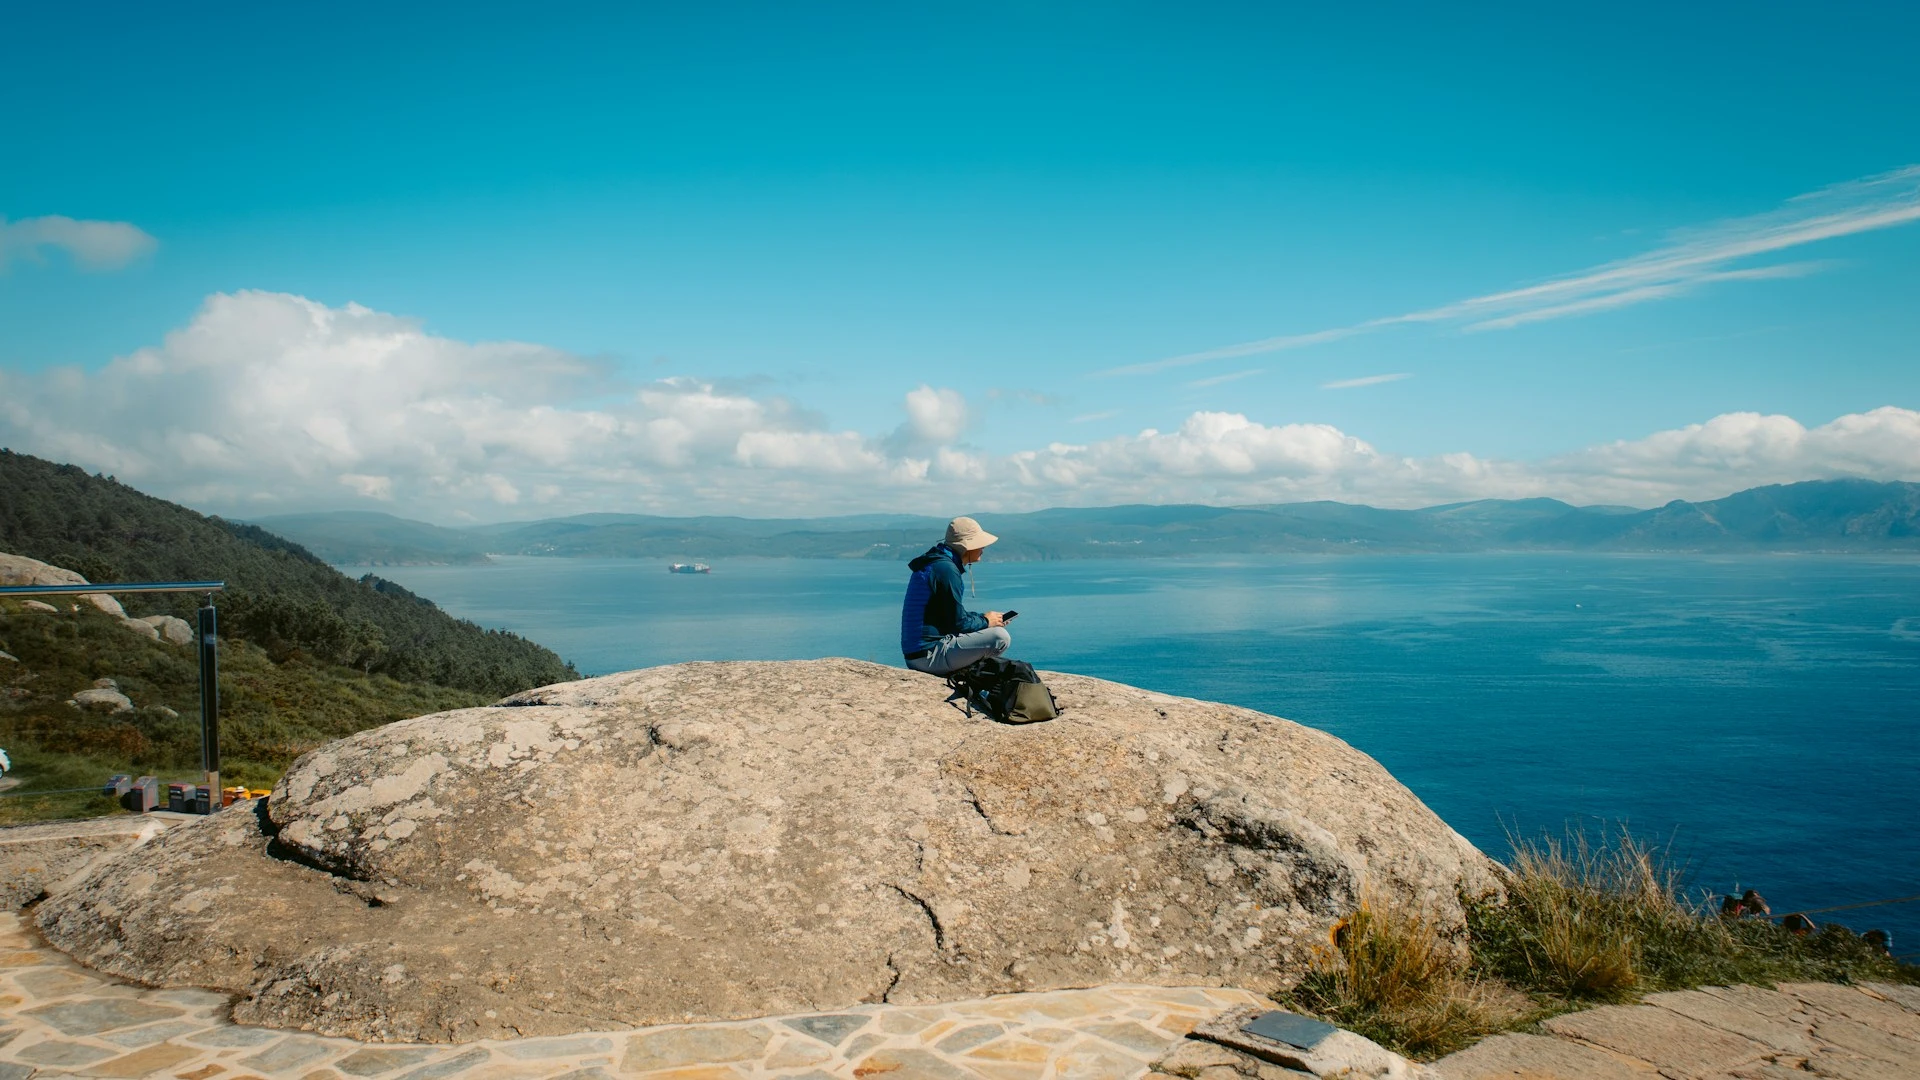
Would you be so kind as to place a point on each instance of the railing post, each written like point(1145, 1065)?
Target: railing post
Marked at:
point(210, 704)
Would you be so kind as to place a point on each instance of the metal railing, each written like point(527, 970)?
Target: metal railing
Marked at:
point(208, 645)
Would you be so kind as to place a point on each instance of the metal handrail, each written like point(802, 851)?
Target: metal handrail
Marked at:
point(209, 641)
point(82, 590)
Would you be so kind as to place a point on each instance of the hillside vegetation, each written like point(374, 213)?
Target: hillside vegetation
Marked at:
point(279, 596)
point(307, 655)
point(1819, 516)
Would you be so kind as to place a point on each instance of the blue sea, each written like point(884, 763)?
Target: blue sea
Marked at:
point(1756, 713)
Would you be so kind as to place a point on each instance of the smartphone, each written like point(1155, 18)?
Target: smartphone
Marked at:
point(1007, 616)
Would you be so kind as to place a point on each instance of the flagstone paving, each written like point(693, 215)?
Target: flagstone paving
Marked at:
point(58, 1019)
point(1803, 1030)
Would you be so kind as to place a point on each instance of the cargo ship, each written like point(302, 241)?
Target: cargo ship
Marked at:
point(689, 568)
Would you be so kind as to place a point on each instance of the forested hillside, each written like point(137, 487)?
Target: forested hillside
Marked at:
point(279, 596)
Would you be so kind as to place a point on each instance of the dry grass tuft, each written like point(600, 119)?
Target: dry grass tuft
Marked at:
point(1395, 976)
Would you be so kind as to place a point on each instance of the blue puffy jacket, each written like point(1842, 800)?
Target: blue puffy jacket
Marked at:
point(933, 609)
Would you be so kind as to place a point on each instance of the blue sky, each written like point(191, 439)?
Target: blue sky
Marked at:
point(700, 257)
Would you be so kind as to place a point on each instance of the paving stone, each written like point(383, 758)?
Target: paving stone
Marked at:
point(1842, 1065)
point(1718, 1012)
point(832, 1028)
point(1012, 1050)
point(7, 1035)
point(969, 1037)
point(1907, 997)
point(1771, 1004)
point(292, 1052)
point(905, 1021)
point(144, 1062)
point(10, 1071)
point(675, 1047)
point(1539, 1057)
point(1856, 1004)
point(908, 1064)
point(49, 983)
point(192, 999)
point(24, 958)
point(204, 1072)
point(595, 1073)
point(321, 1074)
point(1088, 1062)
point(1054, 1035)
point(696, 1072)
point(798, 1053)
point(563, 1047)
point(861, 1044)
point(374, 1061)
point(1664, 1039)
point(1867, 1040)
point(1008, 1070)
point(152, 1033)
point(454, 1065)
point(1132, 1036)
point(234, 1036)
point(91, 1017)
point(56, 1052)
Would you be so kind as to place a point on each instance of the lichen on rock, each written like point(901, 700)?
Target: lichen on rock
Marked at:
point(726, 840)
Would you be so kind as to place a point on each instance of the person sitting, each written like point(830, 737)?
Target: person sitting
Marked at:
point(938, 635)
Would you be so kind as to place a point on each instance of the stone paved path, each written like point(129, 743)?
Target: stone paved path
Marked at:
point(1797, 1032)
point(58, 1019)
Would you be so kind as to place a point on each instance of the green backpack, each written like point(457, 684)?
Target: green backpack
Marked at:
point(1008, 690)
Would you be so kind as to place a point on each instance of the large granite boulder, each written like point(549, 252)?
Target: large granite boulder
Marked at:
point(20, 570)
point(736, 839)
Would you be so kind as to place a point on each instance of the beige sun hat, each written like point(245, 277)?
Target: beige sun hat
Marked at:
point(964, 532)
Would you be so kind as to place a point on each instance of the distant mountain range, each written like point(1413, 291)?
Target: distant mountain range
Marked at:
point(1816, 516)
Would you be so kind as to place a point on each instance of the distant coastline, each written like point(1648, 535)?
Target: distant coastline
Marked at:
point(1814, 517)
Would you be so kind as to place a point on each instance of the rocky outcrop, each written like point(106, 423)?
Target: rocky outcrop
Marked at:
point(103, 700)
point(744, 839)
point(20, 570)
point(36, 859)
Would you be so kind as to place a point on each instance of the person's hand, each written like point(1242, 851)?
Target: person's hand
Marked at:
point(994, 618)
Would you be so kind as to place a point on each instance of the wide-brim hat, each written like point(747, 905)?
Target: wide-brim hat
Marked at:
point(964, 532)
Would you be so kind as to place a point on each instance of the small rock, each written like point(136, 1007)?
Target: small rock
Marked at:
point(144, 629)
point(105, 603)
point(106, 684)
point(9, 657)
point(40, 605)
point(107, 701)
point(164, 711)
point(172, 629)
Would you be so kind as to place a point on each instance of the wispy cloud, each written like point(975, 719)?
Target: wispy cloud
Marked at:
point(1088, 418)
point(1216, 380)
point(1365, 380)
point(1689, 260)
point(95, 245)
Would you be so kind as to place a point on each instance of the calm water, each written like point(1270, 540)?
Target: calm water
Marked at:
point(1758, 711)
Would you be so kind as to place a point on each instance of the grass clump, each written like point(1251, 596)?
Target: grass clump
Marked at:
point(1395, 976)
point(1583, 922)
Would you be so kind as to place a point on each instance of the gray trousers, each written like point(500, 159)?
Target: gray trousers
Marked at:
point(956, 651)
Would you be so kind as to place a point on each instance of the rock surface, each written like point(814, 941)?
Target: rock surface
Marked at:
point(36, 859)
point(102, 700)
point(20, 570)
point(709, 841)
point(173, 629)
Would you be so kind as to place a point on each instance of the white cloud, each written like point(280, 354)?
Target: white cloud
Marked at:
point(95, 245)
point(1364, 380)
point(265, 402)
point(1689, 260)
